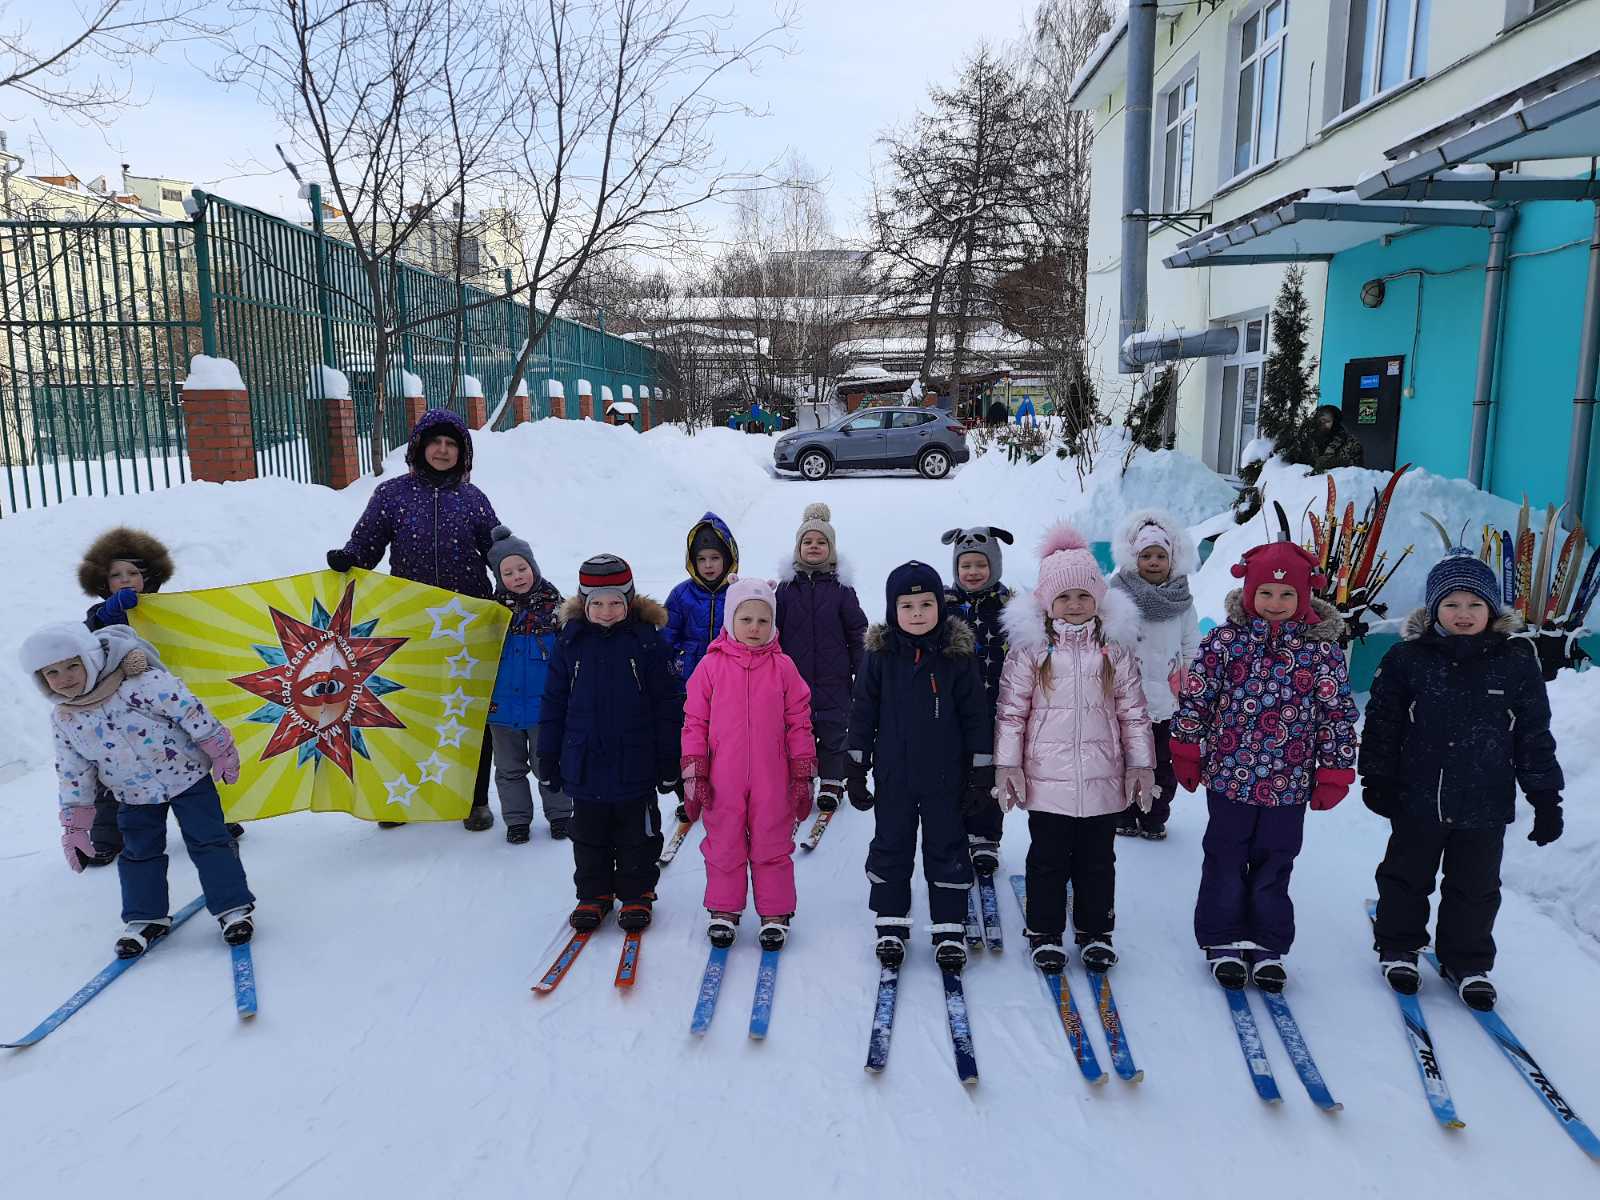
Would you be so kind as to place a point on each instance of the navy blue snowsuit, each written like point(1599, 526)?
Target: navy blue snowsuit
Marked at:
point(982, 610)
point(821, 627)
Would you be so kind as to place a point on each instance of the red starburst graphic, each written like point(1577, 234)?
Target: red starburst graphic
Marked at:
point(322, 686)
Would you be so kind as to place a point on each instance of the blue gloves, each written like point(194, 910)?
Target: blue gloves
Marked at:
point(113, 610)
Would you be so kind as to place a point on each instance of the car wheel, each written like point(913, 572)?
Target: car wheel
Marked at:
point(814, 465)
point(934, 464)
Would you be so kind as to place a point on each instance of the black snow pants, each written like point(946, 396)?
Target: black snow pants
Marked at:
point(1469, 897)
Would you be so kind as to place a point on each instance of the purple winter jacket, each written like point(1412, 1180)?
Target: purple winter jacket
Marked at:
point(821, 626)
point(436, 528)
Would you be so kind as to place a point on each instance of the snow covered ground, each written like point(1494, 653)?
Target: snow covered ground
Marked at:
point(399, 1051)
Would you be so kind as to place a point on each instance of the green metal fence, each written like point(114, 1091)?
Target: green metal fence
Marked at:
point(101, 319)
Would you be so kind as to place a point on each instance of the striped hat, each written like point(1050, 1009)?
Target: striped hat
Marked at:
point(605, 573)
point(1461, 571)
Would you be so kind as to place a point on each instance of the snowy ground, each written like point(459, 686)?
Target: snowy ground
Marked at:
point(399, 1051)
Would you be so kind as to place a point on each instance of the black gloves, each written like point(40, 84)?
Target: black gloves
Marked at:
point(980, 791)
point(340, 561)
point(855, 774)
point(1547, 822)
point(681, 815)
point(550, 772)
point(1379, 795)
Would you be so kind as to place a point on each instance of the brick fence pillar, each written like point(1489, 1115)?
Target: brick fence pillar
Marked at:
point(558, 407)
point(477, 412)
point(521, 409)
point(217, 428)
point(585, 408)
point(344, 460)
point(415, 407)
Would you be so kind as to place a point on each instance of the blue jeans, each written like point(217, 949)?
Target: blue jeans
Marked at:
point(143, 865)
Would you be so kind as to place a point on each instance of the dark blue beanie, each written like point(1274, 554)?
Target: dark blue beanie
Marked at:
point(1462, 571)
point(910, 579)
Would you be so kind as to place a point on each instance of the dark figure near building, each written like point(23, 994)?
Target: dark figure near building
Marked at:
point(996, 414)
point(1332, 445)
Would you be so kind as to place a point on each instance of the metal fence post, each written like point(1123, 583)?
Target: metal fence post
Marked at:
point(466, 329)
point(404, 316)
point(202, 271)
point(324, 295)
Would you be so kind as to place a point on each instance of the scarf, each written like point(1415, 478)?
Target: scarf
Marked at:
point(534, 611)
point(133, 663)
point(1167, 602)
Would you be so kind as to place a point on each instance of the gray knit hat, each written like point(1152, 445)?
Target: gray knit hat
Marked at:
point(504, 545)
point(980, 539)
point(1462, 571)
point(815, 520)
point(605, 573)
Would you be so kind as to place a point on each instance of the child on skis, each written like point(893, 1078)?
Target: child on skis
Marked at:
point(519, 686)
point(695, 607)
point(1072, 745)
point(977, 596)
point(162, 751)
point(823, 627)
point(608, 738)
point(1266, 722)
point(918, 721)
point(745, 700)
point(1458, 718)
point(1154, 556)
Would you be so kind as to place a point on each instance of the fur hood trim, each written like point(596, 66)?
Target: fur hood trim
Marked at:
point(123, 543)
point(643, 608)
point(1025, 625)
point(1509, 623)
point(787, 569)
point(1185, 558)
point(959, 640)
point(1328, 628)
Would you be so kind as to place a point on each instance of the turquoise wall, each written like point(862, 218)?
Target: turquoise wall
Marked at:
point(1530, 422)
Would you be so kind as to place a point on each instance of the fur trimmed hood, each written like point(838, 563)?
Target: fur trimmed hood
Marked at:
point(1418, 623)
point(788, 567)
point(1329, 625)
point(133, 545)
point(1185, 557)
point(959, 640)
point(642, 608)
point(1026, 626)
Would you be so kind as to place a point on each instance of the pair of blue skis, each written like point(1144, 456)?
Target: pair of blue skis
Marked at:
point(956, 1016)
point(705, 1005)
point(1294, 1043)
point(244, 983)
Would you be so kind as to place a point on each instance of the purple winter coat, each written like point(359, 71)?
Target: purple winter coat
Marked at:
point(821, 626)
point(435, 527)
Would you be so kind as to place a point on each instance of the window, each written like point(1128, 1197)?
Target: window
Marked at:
point(1240, 400)
point(1261, 41)
point(171, 194)
point(1388, 44)
point(1177, 172)
point(471, 250)
point(908, 420)
point(865, 423)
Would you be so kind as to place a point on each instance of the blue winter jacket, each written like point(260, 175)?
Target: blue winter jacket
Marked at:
point(611, 712)
point(525, 658)
point(694, 610)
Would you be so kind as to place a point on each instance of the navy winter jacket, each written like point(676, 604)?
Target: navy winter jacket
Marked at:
point(1455, 723)
point(525, 657)
point(918, 716)
point(611, 711)
point(982, 610)
point(821, 626)
point(694, 610)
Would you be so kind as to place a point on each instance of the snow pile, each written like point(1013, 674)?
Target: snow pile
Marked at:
point(327, 384)
point(1256, 450)
point(207, 374)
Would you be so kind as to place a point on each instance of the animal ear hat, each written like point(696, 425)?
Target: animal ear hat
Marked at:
point(980, 539)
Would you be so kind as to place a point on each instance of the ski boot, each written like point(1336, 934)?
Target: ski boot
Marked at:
point(237, 925)
point(1048, 954)
point(774, 932)
point(560, 828)
point(479, 819)
point(949, 950)
point(517, 835)
point(829, 795)
point(1096, 952)
point(100, 858)
point(985, 856)
point(1227, 967)
point(589, 913)
point(1476, 990)
point(722, 928)
point(891, 945)
point(139, 936)
point(1400, 972)
point(1156, 831)
point(636, 914)
point(1128, 822)
point(1268, 974)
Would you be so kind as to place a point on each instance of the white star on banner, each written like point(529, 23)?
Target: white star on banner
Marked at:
point(450, 732)
point(401, 791)
point(453, 609)
point(433, 768)
point(455, 704)
point(461, 664)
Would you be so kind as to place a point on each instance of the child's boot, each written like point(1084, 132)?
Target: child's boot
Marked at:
point(1268, 974)
point(1400, 971)
point(949, 950)
point(1048, 954)
point(139, 936)
point(1096, 952)
point(1475, 990)
point(774, 932)
point(479, 819)
point(891, 945)
point(985, 855)
point(1227, 967)
point(1128, 821)
point(589, 913)
point(636, 914)
point(517, 835)
point(830, 794)
point(238, 927)
point(722, 928)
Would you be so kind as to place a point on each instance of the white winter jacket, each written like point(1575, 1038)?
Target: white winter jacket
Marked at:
point(1162, 646)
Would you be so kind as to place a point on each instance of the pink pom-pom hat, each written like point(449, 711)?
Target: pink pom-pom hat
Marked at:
point(1066, 562)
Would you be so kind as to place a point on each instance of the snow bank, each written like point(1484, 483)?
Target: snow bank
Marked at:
point(471, 387)
point(207, 374)
point(327, 384)
point(1257, 450)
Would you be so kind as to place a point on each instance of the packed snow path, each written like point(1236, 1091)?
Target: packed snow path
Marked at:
point(399, 1051)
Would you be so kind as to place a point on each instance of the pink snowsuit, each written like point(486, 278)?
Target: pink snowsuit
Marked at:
point(749, 712)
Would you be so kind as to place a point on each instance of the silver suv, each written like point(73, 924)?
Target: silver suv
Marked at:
point(874, 439)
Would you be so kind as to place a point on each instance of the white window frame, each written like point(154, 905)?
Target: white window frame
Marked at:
point(1254, 65)
point(1357, 58)
point(1177, 177)
point(1242, 361)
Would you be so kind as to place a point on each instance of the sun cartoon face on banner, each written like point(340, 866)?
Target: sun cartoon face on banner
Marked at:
point(322, 686)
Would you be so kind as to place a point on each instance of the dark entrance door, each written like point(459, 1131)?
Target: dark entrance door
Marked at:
point(1371, 406)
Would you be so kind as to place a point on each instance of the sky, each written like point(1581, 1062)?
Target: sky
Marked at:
point(855, 68)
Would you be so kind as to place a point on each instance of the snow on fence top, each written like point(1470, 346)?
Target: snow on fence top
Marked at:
point(585, 388)
point(328, 384)
point(627, 392)
point(522, 387)
point(644, 392)
point(208, 374)
point(557, 392)
point(413, 384)
point(471, 387)
point(605, 393)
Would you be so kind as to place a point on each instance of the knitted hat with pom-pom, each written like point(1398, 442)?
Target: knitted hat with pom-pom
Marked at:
point(1065, 563)
point(816, 519)
point(1461, 571)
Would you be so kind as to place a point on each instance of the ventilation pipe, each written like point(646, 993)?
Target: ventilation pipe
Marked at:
point(1135, 307)
point(1494, 279)
point(1148, 349)
point(1583, 399)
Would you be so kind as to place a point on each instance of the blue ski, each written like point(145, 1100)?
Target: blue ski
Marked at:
point(883, 1019)
point(705, 1004)
point(955, 1011)
point(1060, 993)
point(1111, 1021)
point(1299, 1053)
point(974, 930)
point(98, 984)
point(1511, 1046)
point(766, 984)
point(1255, 1054)
point(1421, 1043)
point(989, 906)
point(244, 981)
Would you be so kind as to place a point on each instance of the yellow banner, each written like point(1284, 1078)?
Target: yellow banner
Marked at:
point(356, 693)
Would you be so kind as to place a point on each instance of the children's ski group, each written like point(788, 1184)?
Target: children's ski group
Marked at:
point(1084, 700)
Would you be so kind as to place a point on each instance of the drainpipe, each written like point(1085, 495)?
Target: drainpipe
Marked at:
point(1494, 279)
point(1583, 400)
point(1136, 176)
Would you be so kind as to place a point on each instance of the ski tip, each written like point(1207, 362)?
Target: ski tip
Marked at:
point(1136, 1077)
point(872, 1070)
point(970, 1081)
point(1336, 1106)
point(1455, 1123)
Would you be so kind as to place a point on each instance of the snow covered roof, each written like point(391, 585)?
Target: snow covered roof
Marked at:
point(1555, 116)
point(626, 407)
point(1316, 224)
point(1109, 51)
